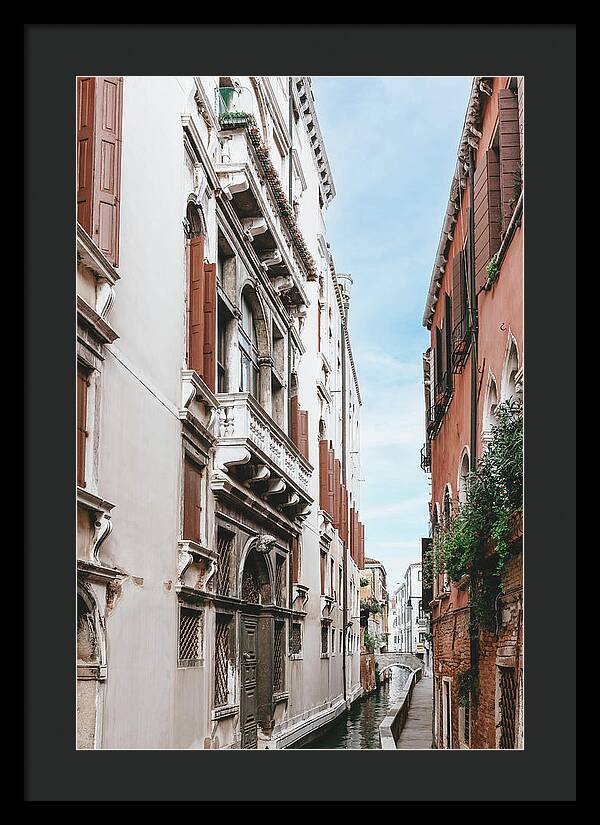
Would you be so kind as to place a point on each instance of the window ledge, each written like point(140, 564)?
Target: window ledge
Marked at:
point(91, 671)
point(224, 712)
point(324, 655)
point(282, 696)
point(296, 657)
point(91, 257)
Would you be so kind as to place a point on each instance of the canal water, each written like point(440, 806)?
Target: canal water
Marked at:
point(358, 728)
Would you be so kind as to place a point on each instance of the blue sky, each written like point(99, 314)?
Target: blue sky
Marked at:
point(392, 145)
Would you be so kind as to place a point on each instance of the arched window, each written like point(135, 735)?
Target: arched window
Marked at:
point(489, 411)
point(511, 368)
point(249, 372)
point(256, 584)
point(463, 477)
point(447, 506)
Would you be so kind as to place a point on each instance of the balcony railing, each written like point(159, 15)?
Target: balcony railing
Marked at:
point(461, 341)
point(243, 423)
point(426, 456)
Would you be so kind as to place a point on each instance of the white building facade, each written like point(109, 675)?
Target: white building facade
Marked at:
point(218, 591)
point(410, 623)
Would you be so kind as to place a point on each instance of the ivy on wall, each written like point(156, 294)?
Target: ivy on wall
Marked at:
point(477, 540)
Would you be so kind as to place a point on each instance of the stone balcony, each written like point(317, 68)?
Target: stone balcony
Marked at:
point(250, 196)
point(260, 457)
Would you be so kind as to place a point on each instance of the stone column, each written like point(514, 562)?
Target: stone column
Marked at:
point(265, 363)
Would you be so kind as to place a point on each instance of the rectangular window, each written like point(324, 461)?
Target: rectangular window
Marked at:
point(191, 500)
point(296, 639)
point(332, 579)
point(222, 656)
point(333, 641)
point(446, 714)
point(225, 549)
point(324, 638)
point(323, 571)
point(279, 657)
point(296, 561)
point(191, 629)
point(222, 322)
point(83, 382)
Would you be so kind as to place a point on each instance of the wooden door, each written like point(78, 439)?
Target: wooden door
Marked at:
point(249, 703)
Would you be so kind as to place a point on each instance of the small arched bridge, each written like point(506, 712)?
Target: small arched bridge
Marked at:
point(385, 660)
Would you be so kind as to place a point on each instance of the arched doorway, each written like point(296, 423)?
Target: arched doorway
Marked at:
point(256, 648)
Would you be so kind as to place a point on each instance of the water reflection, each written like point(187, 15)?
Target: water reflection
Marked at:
point(359, 728)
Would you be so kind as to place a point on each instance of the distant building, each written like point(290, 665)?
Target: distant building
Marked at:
point(410, 623)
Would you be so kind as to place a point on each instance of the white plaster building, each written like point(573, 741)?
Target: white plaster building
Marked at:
point(218, 589)
point(410, 623)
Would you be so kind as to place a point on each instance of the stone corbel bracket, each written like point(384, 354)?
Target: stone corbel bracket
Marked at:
point(190, 552)
point(100, 519)
point(327, 603)
point(301, 592)
point(254, 227)
point(270, 258)
point(283, 284)
point(229, 456)
point(192, 387)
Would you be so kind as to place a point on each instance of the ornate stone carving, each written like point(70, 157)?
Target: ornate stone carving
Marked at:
point(264, 542)
point(183, 562)
point(102, 525)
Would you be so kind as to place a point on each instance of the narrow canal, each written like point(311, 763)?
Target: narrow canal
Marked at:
point(358, 729)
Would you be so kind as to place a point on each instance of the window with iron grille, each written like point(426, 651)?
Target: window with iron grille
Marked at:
point(222, 629)
point(279, 657)
point(191, 626)
point(508, 703)
point(225, 549)
point(280, 580)
point(324, 637)
point(333, 641)
point(296, 639)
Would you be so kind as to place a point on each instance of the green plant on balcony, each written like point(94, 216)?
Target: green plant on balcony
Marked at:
point(492, 270)
point(364, 582)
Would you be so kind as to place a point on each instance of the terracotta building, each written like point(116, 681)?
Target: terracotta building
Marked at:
point(218, 533)
point(474, 311)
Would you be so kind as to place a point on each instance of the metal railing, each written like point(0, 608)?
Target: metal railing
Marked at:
point(461, 341)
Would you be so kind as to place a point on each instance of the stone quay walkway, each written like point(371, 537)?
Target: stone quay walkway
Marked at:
point(416, 733)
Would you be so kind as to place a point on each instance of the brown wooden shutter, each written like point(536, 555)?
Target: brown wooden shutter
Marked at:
point(303, 432)
point(295, 559)
point(337, 493)
point(209, 361)
point(330, 482)
point(323, 458)
point(486, 188)
point(86, 107)
point(82, 393)
point(442, 378)
point(191, 501)
point(107, 166)
point(448, 321)
point(439, 360)
point(510, 152)
point(295, 423)
point(459, 293)
point(196, 305)
point(362, 546)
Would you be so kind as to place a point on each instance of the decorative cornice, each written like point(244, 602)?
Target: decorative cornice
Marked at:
point(307, 107)
point(242, 120)
point(99, 328)
point(90, 256)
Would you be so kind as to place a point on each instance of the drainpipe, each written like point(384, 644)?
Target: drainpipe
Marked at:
point(344, 477)
point(474, 640)
point(291, 129)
